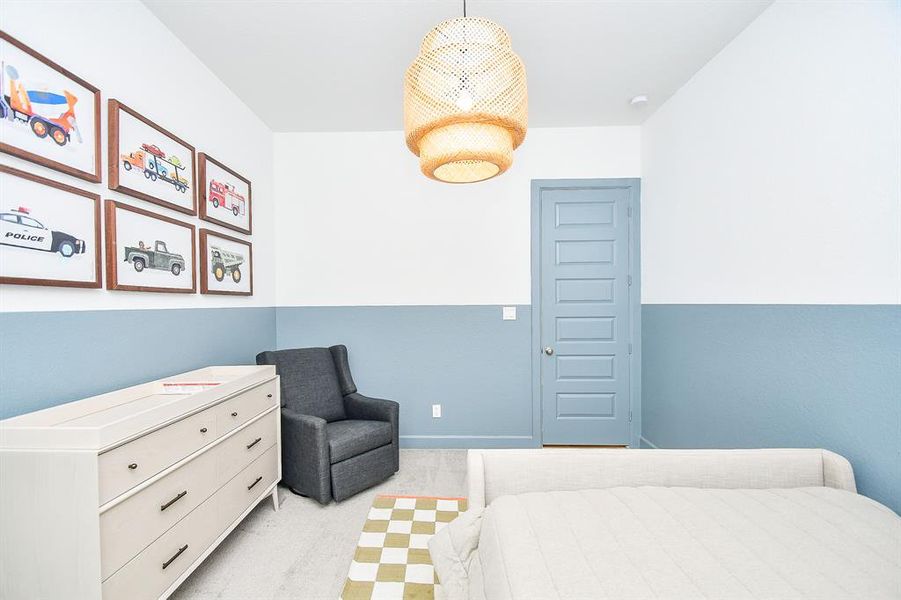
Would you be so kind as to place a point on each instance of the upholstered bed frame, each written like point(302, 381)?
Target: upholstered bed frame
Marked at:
point(495, 473)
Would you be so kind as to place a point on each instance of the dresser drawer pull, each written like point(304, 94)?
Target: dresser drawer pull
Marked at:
point(269, 395)
point(254, 443)
point(259, 479)
point(133, 466)
point(173, 501)
point(234, 414)
point(174, 556)
point(203, 430)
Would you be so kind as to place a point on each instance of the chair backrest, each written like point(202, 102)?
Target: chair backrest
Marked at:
point(310, 383)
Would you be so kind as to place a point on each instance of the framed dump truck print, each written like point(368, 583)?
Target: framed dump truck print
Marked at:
point(48, 115)
point(226, 264)
point(49, 232)
point(224, 195)
point(148, 162)
point(146, 252)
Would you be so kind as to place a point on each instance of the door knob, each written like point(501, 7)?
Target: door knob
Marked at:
point(549, 351)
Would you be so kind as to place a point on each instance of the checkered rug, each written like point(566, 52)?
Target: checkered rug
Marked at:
point(392, 560)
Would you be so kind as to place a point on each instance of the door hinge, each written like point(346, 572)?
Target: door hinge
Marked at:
point(630, 416)
point(629, 279)
point(629, 212)
point(630, 347)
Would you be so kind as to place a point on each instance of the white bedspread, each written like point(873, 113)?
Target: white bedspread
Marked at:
point(675, 543)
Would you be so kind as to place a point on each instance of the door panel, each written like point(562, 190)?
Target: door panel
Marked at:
point(584, 314)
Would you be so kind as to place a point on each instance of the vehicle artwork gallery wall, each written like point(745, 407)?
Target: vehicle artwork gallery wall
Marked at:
point(59, 344)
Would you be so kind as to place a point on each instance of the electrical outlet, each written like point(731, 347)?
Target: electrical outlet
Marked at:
point(508, 313)
point(436, 411)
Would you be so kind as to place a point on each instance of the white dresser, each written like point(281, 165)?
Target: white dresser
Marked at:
point(122, 495)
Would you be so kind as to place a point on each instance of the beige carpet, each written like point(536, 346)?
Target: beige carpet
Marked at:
point(304, 551)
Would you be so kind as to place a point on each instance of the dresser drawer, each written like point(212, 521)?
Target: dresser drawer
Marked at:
point(152, 571)
point(130, 526)
point(246, 487)
point(122, 468)
point(245, 446)
point(238, 410)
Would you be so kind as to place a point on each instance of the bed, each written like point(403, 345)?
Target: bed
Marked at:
point(667, 524)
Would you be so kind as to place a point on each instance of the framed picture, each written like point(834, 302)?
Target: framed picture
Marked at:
point(49, 232)
point(226, 264)
point(48, 115)
point(148, 162)
point(224, 195)
point(146, 252)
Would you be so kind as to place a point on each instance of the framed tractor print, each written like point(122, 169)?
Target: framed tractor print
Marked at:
point(224, 195)
point(49, 232)
point(148, 162)
point(48, 115)
point(146, 252)
point(226, 264)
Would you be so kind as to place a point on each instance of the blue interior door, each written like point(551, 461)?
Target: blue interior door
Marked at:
point(585, 343)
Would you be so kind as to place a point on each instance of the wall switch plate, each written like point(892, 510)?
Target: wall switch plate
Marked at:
point(509, 313)
point(436, 411)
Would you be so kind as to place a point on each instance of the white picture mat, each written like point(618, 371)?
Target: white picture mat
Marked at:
point(36, 76)
point(132, 228)
point(216, 173)
point(228, 284)
point(58, 211)
point(133, 133)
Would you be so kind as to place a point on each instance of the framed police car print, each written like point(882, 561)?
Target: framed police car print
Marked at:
point(226, 265)
point(47, 114)
point(147, 252)
point(224, 195)
point(148, 162)
point(49, 232)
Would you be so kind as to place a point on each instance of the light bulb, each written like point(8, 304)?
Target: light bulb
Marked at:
point(464, 100)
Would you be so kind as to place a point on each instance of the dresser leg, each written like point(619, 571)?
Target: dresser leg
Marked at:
point(275, 498)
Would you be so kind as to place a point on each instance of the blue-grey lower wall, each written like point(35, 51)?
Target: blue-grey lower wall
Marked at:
point(465, 358)
point(47, 358)
point(766, 376)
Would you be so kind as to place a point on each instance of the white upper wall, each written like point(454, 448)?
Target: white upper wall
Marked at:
point(358, 224)
point(774, 175)
point(110, 44)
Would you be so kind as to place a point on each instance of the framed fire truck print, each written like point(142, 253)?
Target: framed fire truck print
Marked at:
point(224, 195)
point(48, 115)
point(148, 162)
point(226, 264)
point(49, 232)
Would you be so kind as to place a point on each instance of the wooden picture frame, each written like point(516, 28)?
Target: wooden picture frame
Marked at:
point(207, 269)
point(55, 237)
point(28, 112)
point(148, 158)
point(133, 254)
point(228, 196)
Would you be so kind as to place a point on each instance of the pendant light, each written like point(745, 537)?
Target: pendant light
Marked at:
point(465, 101)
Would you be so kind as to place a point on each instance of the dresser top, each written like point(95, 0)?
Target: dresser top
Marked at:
point(107, 420)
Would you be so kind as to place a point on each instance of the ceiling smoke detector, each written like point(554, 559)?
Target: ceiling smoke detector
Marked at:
point(639, 100)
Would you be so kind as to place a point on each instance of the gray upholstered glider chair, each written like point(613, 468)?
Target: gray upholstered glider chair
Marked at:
point(335, 442)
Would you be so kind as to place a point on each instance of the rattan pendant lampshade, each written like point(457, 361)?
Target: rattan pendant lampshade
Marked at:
point(465, 101)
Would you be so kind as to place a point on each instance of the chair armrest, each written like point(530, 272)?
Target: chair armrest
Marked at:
point(305, 454)
point(358, 406)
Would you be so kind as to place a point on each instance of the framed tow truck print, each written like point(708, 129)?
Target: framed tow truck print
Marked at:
point(49, 232)
point(226, 264)
point(146, 252)
point(48, 115)
point(148, 162)
point(224, 195)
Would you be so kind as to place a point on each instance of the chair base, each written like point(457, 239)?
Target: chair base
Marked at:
point(296, 493)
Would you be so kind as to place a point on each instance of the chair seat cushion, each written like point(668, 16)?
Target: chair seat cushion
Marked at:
point(349, 438)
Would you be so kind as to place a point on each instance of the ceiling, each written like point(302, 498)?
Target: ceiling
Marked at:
point(305, 65)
